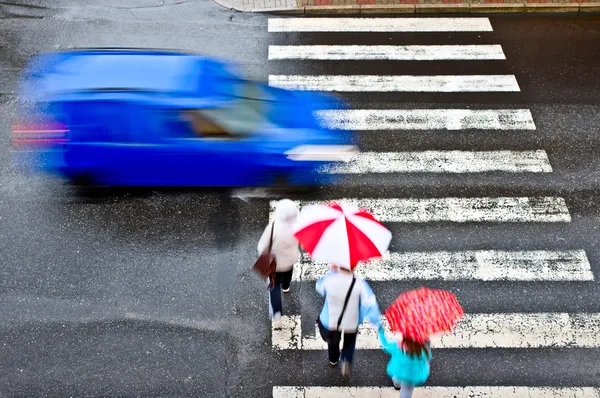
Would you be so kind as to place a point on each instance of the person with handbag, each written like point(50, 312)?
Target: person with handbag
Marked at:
point(278, 239)
point(349, 300)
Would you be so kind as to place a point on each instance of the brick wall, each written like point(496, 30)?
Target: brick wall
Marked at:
point(362, 2)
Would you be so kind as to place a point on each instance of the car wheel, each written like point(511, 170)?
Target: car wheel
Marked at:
point(87, 186)
point(83, 181)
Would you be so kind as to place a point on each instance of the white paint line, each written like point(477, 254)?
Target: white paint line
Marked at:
point(503, 209)
point(485, 265)
point(392, 53)
point(442, 162)
point(379, 25)
point(288, 336)
point(502, 330)
point(438, 392)
point(426, 119)
point(397, 83)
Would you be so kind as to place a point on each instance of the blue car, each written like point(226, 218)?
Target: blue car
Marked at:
point(132, 117)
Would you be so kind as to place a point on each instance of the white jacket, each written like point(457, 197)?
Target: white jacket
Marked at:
point(362, 303)
point(285, 246)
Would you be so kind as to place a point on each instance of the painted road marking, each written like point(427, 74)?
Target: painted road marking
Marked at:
point(437, 392)
point(503, 209)
point(442, 162)
point(426, 119)
point(485, 265)
point(397, 83)
point(379, 25)
point(394, 53)
point(501, 330)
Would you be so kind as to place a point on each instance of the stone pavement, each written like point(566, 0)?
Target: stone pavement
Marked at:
point(410, 6)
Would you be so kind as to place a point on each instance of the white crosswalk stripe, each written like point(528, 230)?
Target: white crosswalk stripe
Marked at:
point(442, 162)
point(390, 53)
point(426, 119)
point(397, 83)
point(379, 25)
point(438, 392)
point(506, 209)
point(499, 330)
point(485, 265)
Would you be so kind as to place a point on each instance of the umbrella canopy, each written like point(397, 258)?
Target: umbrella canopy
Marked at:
point(418, 314)
point(341, 234)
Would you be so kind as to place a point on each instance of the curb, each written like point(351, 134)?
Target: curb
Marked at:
point(407, 9)
point(225, 4)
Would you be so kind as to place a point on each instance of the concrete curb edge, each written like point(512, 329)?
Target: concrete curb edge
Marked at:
point(406, 9)
point(225, 4)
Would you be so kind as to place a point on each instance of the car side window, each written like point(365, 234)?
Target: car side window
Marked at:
point(202, 126)
point(197, 124)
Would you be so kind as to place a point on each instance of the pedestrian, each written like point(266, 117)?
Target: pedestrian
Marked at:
point(409, 363)
point(286, 251)
point(348, 301)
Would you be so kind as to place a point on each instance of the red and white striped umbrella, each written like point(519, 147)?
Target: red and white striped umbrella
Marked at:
point(341, 234)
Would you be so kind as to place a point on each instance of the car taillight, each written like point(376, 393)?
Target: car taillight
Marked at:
point(39, 134)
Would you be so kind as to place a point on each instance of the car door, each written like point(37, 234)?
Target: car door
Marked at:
point(205, 153)
point(90, 154)
point(143, 161)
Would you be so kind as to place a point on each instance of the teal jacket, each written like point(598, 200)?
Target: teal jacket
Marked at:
point(402, 367)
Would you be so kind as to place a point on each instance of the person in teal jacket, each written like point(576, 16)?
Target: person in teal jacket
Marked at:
point(409, 363)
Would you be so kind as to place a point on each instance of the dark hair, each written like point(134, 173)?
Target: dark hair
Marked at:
point(413, 348)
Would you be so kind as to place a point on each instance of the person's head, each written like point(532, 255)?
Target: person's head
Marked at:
point(414, 348)
point(286, 211)
point(338, 268)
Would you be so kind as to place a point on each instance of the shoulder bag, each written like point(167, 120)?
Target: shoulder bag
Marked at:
point(265, 266)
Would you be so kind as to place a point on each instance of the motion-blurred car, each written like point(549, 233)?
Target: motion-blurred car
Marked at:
point(132, 117)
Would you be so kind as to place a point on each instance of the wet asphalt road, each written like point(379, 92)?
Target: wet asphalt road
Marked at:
point(151, 295)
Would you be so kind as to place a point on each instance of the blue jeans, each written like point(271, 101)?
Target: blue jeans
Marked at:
point(333, 348)
point(282, 281)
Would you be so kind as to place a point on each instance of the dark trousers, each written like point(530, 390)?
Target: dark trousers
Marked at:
point(282, 281)
point(347, 350)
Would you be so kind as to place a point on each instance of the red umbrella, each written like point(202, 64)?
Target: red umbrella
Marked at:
point(341, 234)
point(418, 314)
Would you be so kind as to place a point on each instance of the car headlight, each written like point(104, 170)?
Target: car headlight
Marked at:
point(322, 153)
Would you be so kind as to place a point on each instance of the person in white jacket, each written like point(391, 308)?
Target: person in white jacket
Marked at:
point(286, 251)
point(335, 286)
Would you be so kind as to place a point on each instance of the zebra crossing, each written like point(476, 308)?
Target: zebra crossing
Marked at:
point(503, 209)
point(379, 25)
point(393, 83)
point(485, 265)
point(508, 330)
point(436, 392)
point(426, 119)
point(479, 330)
point(443, 162)
point(391, 53)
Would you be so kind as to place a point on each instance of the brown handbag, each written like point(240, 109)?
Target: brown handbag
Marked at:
point(265, 266)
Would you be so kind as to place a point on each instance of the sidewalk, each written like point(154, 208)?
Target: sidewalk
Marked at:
point(324, 7)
